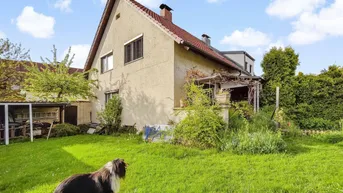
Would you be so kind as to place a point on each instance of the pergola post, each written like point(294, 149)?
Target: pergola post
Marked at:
point(31, 122)
point(7, 137)
point(255, 98)
point(258, 97)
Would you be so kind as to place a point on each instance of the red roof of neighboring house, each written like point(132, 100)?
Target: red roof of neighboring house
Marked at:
point(180, 35)
point(22, 68)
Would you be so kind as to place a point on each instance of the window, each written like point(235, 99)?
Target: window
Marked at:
point(250, 69)
point(107, 63)
point(134, 50)
point(109, 95)
point(246, 66)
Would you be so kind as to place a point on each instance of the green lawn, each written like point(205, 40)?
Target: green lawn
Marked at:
point(309, 166)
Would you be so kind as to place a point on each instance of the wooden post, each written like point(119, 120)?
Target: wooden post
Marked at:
point(24, 130)
point(31, 122)
point(277, 97)
point(12, 132)
point(7, 141)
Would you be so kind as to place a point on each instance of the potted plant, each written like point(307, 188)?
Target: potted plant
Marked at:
point(223, 97)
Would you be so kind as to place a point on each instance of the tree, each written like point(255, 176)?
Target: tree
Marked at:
point(12, 56)
point(279, 66)
point(53, 82)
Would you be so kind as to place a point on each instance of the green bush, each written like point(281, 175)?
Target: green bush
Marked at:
point(128, 129)
point(258, 142)
point(333, 138)
point(199, 129)
point(257, 136)
point(202, 124)
point(83, 128)
point(110, 117)
point(318, 124)
point(65, 129)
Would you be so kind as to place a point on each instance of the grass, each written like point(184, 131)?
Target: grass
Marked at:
point(310, 165)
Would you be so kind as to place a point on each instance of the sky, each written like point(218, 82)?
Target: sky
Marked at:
point(314, 28)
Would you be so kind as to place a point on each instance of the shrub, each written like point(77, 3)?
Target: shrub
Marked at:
point(202, 124)
point(83, 128)
point(317, 124)
point(332, 137)
point(128, 129)
point(110, 117)
point(257, 136)
point(199, 129)
point(258, 142)
point(65, 129)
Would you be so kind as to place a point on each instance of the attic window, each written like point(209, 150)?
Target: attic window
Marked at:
point(134, 49)
point(118, 16)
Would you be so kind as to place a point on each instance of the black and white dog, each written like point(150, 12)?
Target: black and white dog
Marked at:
point(105, 180)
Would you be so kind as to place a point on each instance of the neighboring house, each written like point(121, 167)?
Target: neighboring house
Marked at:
point(143, 57)
point(246, 61)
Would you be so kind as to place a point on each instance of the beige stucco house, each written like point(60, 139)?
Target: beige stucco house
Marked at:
point(144, 57)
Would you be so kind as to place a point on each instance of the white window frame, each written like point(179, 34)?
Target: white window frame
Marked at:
point(109, 67)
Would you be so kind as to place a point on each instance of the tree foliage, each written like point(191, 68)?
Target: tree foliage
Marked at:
point(54, 82)
point(12, 56)
point(279, 66)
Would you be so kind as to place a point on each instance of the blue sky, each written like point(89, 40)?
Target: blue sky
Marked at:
point(314, 28)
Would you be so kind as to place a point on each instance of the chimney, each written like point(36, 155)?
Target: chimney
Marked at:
point(206, 39)
point(166, 12)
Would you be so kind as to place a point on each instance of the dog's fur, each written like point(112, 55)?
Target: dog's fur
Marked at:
point(105, 180)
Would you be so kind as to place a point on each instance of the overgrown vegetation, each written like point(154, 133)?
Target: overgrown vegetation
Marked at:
point(203, 123)
point(311, 101)
point(110, 117)
point(258, 135)
point(65, 129)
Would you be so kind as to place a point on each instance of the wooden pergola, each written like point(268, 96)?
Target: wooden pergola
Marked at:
point(229, 81)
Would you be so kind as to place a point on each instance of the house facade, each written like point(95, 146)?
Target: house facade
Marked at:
point(144, 57)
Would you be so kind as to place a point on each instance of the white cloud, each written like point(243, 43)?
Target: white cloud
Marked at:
point(2, 35)
point(311, 27)
point(215, 1)
point(277, 44)
point(103, 2)
point(81, 53)
point(247, 38)
point(63, 5)
point(292, 8)
point(151, 3)
point(36, 24)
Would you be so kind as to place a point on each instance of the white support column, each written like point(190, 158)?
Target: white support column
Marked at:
point(277, 97)
point(31, 122)
point(258, 97)
point(255, 98)
point(7, 137)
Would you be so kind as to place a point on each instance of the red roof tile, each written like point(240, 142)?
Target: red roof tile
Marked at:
point(180, 35)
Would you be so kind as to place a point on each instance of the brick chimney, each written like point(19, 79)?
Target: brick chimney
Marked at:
point(206, 39)
point(166, 12)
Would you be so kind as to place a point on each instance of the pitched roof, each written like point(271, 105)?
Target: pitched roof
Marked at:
point(180, 35)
